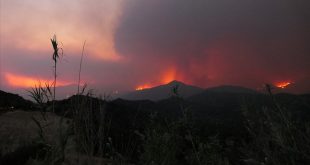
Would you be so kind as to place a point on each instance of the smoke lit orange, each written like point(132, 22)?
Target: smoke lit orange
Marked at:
point(27, 82)
point(168, 76)
point(283, 84)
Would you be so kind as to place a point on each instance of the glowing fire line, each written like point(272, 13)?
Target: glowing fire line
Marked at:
point(142, 87)
point(283, 84)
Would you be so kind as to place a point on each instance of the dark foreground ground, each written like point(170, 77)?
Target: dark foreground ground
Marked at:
point(210, 128)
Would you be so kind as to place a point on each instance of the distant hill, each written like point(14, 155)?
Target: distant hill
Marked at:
point(224, 95)
point(163, 92)
point(9, 100)
point(231, 89)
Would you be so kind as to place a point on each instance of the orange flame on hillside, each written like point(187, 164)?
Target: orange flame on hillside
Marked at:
point(283, 84)
point(142, 87)
point(28, 82)
point(166, 77)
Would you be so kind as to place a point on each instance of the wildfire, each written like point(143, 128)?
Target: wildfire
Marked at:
point(142, 87)
point(283, 84)
point(166, 76)
point(27, 82)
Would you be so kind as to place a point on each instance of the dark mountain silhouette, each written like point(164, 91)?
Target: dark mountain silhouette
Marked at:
point(225, 95)
point(231, 89)
point(163, 92)
point(14, 101)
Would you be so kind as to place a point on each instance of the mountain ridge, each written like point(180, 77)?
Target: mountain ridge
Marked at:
point(163, 91)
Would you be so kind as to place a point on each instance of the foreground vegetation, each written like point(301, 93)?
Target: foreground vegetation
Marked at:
point(91, 130)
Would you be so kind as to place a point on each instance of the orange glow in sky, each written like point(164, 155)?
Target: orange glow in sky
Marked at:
point(28, 82)
point(283, 84)
point(32, 33)
point(168, 76)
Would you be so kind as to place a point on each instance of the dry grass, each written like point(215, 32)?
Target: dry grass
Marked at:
point(18, 129)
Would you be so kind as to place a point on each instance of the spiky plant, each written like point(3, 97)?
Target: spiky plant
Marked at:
point(55, 59)
point(80, 69)
point(41, 95)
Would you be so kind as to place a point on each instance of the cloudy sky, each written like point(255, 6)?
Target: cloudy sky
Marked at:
point(143, 43)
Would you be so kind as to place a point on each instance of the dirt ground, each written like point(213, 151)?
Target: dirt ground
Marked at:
point(18, 128)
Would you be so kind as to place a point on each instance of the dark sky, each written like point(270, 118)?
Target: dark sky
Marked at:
point(150, 42)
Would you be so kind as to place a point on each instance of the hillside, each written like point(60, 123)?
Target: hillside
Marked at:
point(14, 101)
point(142, 125)
point(162, 92)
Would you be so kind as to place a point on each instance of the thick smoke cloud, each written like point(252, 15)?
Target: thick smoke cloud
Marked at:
point(213, 42)
point(150, 42)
